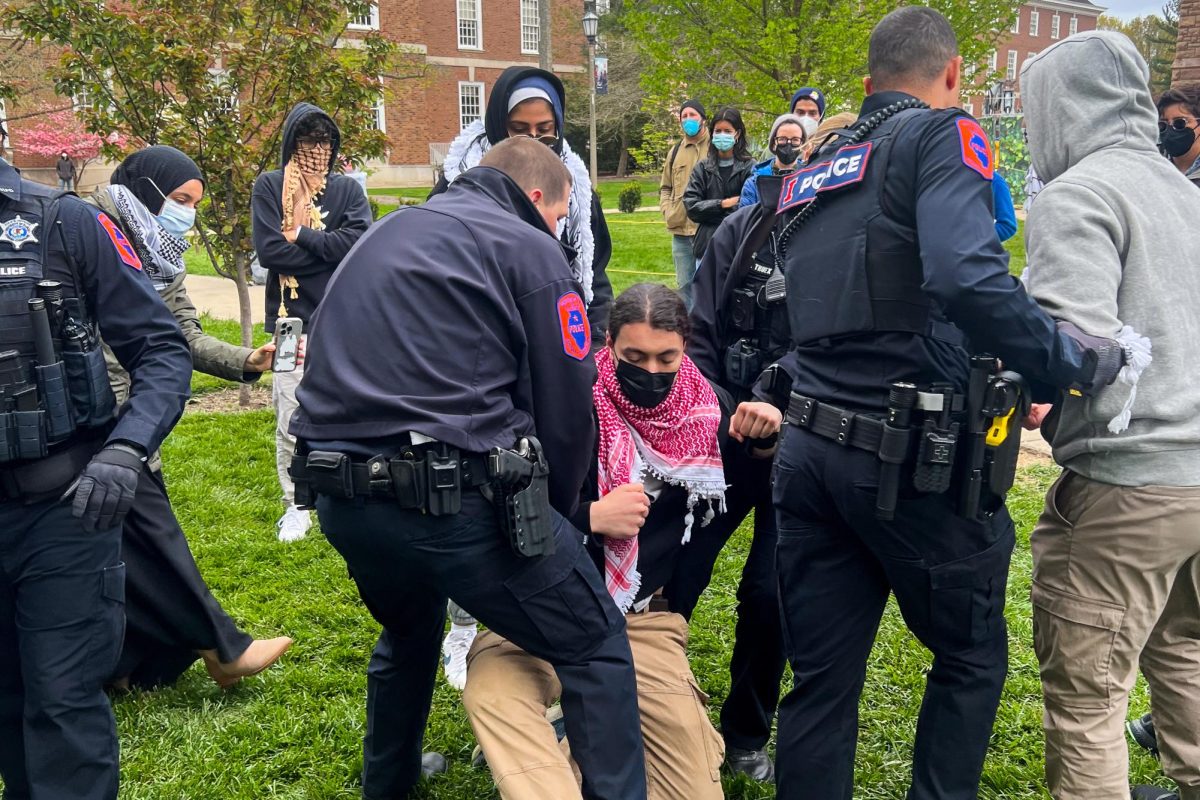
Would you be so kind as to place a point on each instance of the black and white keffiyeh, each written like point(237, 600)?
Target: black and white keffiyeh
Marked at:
point(575, 231)
point(161, 252)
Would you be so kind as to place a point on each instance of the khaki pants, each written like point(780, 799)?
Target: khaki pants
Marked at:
point(508, 692)
point(1116, 579)
point(283, 398)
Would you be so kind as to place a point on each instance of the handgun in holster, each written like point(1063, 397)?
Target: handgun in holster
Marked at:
point(520, 481)
point(997, 401)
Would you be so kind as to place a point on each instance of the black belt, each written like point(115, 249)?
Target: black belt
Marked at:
point(847, 428)
point(376, 478)
point(41, 479)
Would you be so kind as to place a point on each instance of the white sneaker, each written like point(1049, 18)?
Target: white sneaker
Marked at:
point(455, 647)
point(294, 524)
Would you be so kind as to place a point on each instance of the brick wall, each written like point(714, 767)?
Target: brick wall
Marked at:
point(1187, 51)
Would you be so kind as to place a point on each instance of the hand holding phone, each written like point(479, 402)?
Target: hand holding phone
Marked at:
point(287, 343)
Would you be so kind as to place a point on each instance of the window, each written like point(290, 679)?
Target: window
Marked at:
point(1033, 22)
point(1054, 27)
point(83, 100)
point(3, 125)
point(226, 102)
point(367, 19)
point(531, 29)
point(470, 102)
point(969, 108)
point(380, 121)
point(1010, 69)
point(1029, 56)
point(470, 34)
point(1016, 26)
point(1073, 26)
point(992, 61)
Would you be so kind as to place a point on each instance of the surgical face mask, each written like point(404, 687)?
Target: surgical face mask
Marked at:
point(176, 218)
point(642, 387)
point(724, 142)
point(691, 127)
point(1176, 142)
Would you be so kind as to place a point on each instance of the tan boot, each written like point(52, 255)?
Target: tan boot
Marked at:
point(261, 654)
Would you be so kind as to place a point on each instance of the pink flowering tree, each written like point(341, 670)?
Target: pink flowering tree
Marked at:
point(58, 132)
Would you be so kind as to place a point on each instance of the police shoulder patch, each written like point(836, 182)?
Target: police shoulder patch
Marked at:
point(124, 249)
point(574, 326)
point(975, 148)
point(848, 166)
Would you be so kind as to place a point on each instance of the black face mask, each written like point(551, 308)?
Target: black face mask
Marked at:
point(642, 387)
point(1176, 143)
point(787, 154)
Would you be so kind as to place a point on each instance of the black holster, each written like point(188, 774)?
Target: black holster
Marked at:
point(520, 482)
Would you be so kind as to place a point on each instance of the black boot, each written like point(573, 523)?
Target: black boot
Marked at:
point(755, 764)
point(1152, 793)
point(1141, 730)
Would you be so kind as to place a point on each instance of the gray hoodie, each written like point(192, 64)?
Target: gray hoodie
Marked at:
point(1112, 241)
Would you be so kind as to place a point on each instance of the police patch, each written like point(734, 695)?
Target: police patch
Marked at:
point(976, 151)
point(847, 167)
point(573, 322)
point(18, 232)
point(120, 243)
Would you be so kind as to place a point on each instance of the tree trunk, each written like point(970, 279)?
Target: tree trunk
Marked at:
point(243, 289)
point(623, 161)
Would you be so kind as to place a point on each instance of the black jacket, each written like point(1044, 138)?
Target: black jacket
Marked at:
point(459, 320)
point(704, 194)
point(316, 254)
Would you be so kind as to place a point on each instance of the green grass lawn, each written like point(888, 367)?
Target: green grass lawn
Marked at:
point(609, 188)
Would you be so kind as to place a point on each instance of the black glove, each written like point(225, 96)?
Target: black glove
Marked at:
point(1103, 358)
point(106, 486)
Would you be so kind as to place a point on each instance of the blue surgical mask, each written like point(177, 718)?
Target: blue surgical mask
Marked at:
point(691, 127)
point(724, 142)
point(176, 218)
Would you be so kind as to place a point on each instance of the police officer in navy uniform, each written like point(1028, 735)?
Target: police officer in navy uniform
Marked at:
point(69, 466)
point(451, 330)
point(894, 275)
point(739, 329)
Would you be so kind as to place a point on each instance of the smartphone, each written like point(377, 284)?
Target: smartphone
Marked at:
point(287, 343)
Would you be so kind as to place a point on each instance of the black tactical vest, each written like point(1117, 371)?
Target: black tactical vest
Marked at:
point(46, 396)
point(853, 269)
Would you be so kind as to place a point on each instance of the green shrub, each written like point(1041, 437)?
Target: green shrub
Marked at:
point(374, 204)
point(630, 197)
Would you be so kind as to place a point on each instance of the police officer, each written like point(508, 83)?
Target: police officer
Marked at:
point(892, 266)
point(739, 329)
point(450, 332)
point(69, 465)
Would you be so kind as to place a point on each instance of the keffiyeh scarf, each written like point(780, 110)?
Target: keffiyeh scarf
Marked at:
point(575, 231)
point(161, 253)
point(676, 442)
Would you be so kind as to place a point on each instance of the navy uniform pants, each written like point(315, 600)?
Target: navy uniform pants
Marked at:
point(756, 667)
point(406, 564)
point(837, 564)
point(61, 622)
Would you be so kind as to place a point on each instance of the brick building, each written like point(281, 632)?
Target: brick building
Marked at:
point(1038, 25)
point(1187, 49)
point(462, 45)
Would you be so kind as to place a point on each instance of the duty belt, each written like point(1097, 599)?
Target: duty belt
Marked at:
point(847, 428)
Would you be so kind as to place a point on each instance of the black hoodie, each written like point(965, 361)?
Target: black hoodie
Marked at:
point(495, 123)
point(316, 254)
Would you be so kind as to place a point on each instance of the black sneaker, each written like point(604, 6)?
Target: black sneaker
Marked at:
point(754, 764)
point(1152, 793)
point(1141, 730)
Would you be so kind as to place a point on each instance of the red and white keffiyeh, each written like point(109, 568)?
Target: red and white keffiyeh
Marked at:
point(676, 442)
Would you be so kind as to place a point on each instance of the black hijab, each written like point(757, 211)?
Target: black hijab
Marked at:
point(161, 166)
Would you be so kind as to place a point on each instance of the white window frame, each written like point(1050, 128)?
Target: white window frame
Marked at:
point(1010, 68)
point(530, 32)
point(4, 137)
point(81, 101)
point(993, 61)
point(458, 8)
point(1034, 19)
point(380, 109)
point(1073, 26)
point(969, 108)
point(462, 120)
point(1055, 27)
point(1029, 56)
point(220, 78)
point(1016, 26)
point(371, 17)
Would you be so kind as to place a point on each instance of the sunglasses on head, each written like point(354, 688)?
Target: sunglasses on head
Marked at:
point(1176, 124)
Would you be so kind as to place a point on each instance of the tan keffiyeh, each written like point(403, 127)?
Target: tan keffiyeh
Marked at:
point(303, 181)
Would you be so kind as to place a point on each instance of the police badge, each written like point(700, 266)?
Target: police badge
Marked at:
point(18, 231)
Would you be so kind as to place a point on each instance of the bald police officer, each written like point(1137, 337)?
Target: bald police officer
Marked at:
point(894, 277)
point(452, 333)
point(69, 465)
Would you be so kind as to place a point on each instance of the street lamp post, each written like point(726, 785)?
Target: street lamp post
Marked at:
point(591, 25)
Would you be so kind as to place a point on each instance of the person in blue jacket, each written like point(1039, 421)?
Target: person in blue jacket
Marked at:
point(789, 134)
point(1006, 214)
